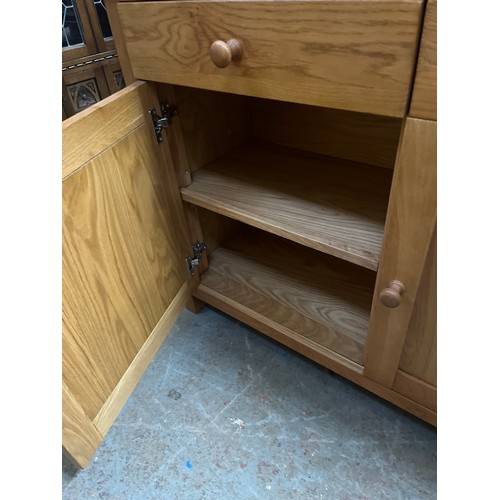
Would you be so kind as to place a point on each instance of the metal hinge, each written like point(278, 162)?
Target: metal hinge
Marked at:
point(191, 262)
point(162, 121)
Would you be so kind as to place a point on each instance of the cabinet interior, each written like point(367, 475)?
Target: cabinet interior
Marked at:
point(291, 201)
point(324, 299)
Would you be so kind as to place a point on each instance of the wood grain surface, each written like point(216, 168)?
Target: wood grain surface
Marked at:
point(416, 389)
point(411, 218)
point(216, 229)
point(137, 367)
point(356, 55)
point(121, 48)
point(419, 356)
point(424, 98)
point(334, 206)
point(121, 258)
point(88, 133)
point(320, 297)
point(80, 437)
point(343, 134)
point(212, 123)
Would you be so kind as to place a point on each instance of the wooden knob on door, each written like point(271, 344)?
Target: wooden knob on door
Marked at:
point(391, 296)
point(222, 53)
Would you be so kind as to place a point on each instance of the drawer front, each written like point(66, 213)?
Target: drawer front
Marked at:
point(357, 55)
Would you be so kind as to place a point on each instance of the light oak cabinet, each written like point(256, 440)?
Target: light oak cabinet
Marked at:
point(291, 160)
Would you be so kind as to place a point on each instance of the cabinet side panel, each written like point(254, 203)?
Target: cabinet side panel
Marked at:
point(419, 356)
point(212, 123)
point(424, 98)
point(121, 265)
point(121, 48)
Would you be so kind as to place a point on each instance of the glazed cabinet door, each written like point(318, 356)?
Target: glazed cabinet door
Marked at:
point(124, 244)
point(403, 304)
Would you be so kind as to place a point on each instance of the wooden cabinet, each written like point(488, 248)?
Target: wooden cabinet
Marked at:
point(315, 200)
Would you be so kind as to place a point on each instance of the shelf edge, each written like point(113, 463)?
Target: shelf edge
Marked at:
point(229, 211)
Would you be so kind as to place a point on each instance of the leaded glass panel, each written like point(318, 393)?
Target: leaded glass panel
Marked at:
point(102, 14)
point(71, 30)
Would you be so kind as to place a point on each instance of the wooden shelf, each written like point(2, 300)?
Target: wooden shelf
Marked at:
point(332, 205)
point(322, 300)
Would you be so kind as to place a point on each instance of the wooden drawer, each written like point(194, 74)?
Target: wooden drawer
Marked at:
point(356, 54)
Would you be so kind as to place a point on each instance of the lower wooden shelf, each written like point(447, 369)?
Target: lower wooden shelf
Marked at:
point(320, 300)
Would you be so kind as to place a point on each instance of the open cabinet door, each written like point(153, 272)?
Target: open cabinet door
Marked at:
point(124, 276)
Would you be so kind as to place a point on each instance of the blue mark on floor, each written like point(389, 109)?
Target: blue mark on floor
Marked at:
point(188, 464)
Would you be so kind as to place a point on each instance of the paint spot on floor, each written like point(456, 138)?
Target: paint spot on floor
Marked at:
point(189, 464)
point(238, 422)
point(174, 394)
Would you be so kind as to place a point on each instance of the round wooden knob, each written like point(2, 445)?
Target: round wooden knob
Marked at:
point(222, 53)
point(391, 296)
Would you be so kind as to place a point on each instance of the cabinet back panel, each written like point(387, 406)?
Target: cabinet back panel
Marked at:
point(214, 123)
point(353, 136)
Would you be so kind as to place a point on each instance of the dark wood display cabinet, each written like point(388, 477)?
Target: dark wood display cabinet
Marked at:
point(90, 67)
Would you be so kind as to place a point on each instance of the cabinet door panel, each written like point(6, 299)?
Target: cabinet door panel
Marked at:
point(409, 227)
point(416, 377)
point(419, 356)
point(79, 436)
point(123, 243)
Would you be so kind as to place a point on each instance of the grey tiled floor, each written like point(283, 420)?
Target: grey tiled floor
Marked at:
point(223, 412)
